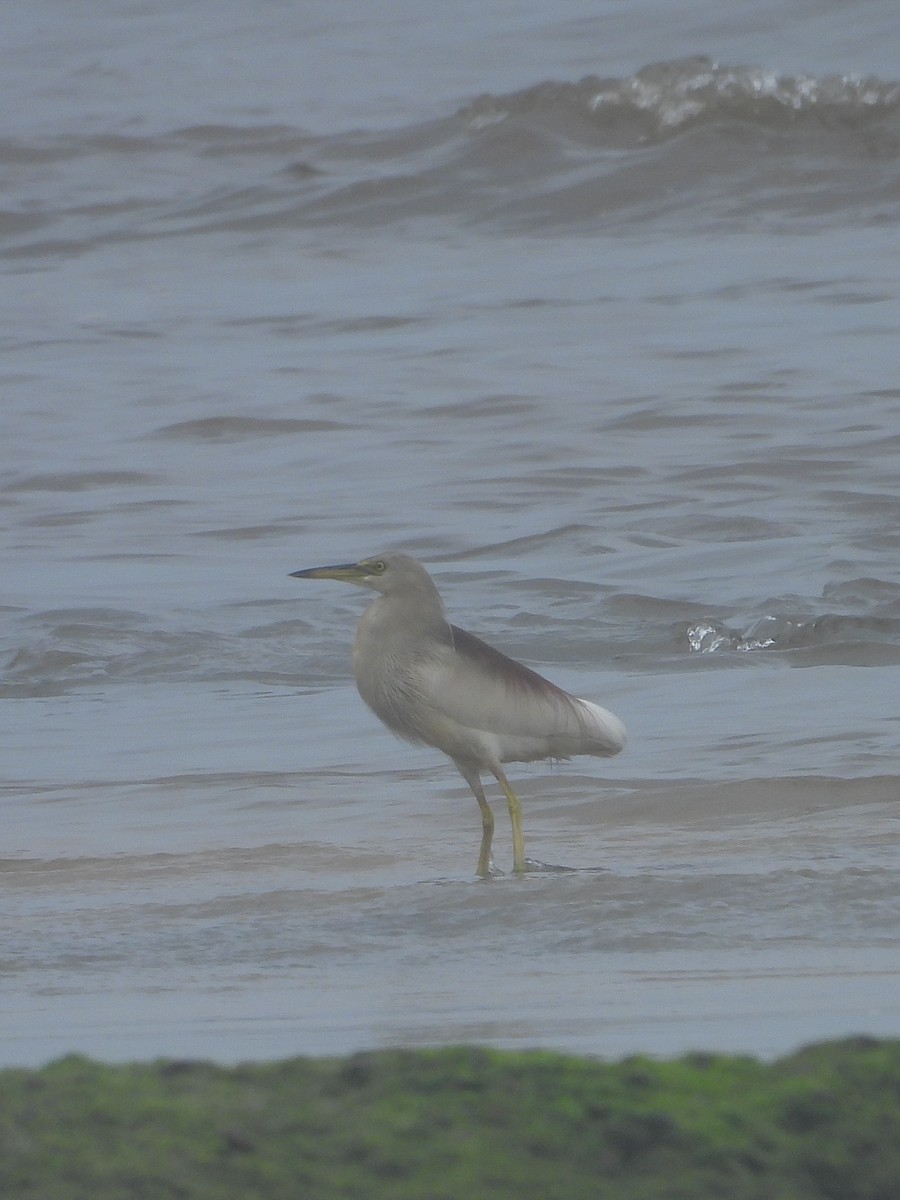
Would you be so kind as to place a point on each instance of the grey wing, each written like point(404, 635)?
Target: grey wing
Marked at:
point(479, 687)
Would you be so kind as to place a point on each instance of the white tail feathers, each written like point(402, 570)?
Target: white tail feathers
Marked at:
point(605, 733)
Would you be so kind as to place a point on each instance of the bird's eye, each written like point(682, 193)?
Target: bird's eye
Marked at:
point(378, 567)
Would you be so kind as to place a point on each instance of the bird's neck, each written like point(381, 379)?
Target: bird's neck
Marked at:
point(391, 624)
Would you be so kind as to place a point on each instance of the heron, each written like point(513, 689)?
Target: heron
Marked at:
point(434, 684)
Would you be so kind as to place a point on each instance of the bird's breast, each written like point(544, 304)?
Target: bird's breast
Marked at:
point(387, 667)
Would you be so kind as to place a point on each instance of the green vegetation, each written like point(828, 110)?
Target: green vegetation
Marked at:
point(464, 1123)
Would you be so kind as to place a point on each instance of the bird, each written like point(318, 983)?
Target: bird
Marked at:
point(434, 684)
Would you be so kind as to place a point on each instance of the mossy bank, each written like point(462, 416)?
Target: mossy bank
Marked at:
point(464, 1122)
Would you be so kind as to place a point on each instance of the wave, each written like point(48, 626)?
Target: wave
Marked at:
point(64, 650)
point(870, 637)
point(666, 98)
point(712, 143)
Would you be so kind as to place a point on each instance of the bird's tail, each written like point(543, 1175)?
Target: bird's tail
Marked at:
point(604, 733)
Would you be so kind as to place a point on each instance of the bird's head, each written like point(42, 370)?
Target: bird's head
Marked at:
point(390, 574)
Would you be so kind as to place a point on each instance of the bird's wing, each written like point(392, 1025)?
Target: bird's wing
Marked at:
point(481, 688)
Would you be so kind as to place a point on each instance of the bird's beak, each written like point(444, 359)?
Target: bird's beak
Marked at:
point(346, 573)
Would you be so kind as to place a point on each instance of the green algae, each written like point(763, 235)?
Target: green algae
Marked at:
point(459, 1122)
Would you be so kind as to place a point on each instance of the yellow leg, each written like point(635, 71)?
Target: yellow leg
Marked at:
point(515, 816)
point(487, 836)
point(472, 778)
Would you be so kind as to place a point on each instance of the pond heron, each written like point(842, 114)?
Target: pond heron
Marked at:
point(437, 685)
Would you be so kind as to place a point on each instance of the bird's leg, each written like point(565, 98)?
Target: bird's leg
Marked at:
point(515, 816)
point(485, 862)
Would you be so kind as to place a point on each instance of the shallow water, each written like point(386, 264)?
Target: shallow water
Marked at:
point(594, 313)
